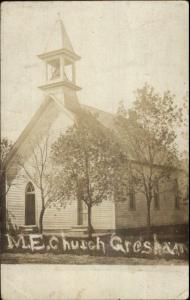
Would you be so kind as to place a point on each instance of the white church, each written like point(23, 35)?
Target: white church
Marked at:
point(56, 113)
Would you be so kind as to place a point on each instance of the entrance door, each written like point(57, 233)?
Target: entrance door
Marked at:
point(30, 215)
point(82, 213)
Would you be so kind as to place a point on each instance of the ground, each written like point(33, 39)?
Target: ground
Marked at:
point(110, 249)
point(49, 258)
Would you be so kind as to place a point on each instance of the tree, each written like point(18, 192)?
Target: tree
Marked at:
point(149, 131)
point(85, 156)
point(4, 151)
point(185, 108)
point(183, 187)
point(6, 145)
point(40, 170)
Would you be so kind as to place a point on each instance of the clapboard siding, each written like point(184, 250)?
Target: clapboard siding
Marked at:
point(16, 200)
point(165, 215)
point(61, 218)
point(107, 215)
point(103, 215)
point(52, 122)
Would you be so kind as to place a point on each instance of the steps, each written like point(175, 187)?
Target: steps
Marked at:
point(78, 231)
point(79, 228)
point(28, 228)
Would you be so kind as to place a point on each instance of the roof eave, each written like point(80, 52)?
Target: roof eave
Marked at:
point(70, 54)
point(59, 84)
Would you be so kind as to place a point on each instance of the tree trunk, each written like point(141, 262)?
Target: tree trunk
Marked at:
point(90, 228)
point(148, 220)
point(3, 211)
point(41, 220)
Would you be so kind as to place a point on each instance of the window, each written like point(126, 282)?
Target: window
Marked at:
point(132, 204)
point(29, 188)
point(53, 69)
point(176, 194)
point(156, 197)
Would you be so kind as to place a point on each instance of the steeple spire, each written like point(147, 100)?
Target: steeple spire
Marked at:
point(58, 38)
point(60, 71)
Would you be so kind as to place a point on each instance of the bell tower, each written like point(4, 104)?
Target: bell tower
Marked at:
point(59, 61)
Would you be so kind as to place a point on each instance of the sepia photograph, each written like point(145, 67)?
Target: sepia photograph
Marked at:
point(94, 140)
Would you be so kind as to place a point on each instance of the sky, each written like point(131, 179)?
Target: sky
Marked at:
point(122, 45)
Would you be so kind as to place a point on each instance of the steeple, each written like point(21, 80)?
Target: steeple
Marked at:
point(59, 38)
point(59, 60)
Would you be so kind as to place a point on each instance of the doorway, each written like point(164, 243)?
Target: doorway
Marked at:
point(30, 207)
point(82, 213)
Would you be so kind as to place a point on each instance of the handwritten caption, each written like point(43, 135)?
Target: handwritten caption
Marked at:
point(98, 245)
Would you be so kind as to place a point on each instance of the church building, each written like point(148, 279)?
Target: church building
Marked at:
point(56, 113)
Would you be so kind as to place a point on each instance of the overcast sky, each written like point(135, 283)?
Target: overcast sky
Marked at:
point(122, 45)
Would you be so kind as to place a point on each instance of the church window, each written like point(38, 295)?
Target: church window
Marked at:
point(156, 197)
point(176, 194)
point(30, 188)
point(132, 204)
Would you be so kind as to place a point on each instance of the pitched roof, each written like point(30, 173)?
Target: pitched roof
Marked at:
point(106, 118)
point(33, 122)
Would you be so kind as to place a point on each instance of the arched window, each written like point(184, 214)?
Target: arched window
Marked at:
point(30, 188)
point(30, 207)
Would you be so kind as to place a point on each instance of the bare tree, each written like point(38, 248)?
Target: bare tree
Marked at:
point(40, 170)
point(5, 148)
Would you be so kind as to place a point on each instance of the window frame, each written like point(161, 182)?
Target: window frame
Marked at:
point(176, 196)
point(157, 198)
point(132, 199)
point(28, 193)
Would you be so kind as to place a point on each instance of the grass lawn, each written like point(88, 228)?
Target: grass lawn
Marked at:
point(49, 258)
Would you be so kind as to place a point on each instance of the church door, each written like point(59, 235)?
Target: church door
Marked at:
point(82, 213)
point(30, 215)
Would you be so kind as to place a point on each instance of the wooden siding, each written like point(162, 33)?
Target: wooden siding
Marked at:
point(61, 218)
point(16, 199)
point(103, 215)
point(107, 215)
point(165, 215)
point(57, 121)
point(54, 218)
